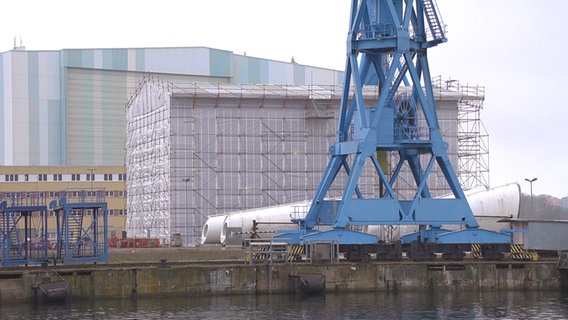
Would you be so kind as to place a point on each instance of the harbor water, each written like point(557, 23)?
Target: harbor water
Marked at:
point(423, 305)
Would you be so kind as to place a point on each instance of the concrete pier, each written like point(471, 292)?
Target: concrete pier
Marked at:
point(168, 279)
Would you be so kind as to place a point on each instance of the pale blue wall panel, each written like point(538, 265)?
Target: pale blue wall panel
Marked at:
point(258, 71)
point(79, 58)
point(299, 74)
point(220, 63)
point(33, 108)
point(115, 59)
point(48, 86)
point(52, 76)
point(240, 69)
point(140, 60)
point(19, 133)
point(63, 107)
point(178, 60)
point(54, 133)
point(318, 76)
point(253, 71)
point(3, 74)
point(280, 73)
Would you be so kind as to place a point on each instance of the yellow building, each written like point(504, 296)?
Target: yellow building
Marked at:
point(48, 180)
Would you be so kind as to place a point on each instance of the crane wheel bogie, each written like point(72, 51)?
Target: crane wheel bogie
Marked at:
point(417, 251)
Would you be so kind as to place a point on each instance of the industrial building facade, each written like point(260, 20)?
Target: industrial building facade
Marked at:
point(232, 132)
point(66, 107)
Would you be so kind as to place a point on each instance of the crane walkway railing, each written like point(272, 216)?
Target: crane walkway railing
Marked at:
point(265, 251)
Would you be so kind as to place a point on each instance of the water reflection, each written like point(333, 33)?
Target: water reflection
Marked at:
point(430, 305)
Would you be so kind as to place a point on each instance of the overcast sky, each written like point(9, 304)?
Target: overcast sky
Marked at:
point(515, 48)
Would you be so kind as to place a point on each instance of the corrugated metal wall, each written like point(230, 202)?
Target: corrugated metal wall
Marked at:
point(95, 116)
point(546, 235)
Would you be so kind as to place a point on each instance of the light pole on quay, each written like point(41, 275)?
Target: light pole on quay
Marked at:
point(531, 183)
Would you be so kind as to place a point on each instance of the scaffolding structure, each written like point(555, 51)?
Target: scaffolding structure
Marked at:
point(198, 149)
point(472, 137)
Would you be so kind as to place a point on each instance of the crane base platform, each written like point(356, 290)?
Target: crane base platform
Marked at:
point(468, 235)
point(340, 236)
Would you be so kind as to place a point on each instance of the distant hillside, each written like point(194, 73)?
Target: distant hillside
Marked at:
point(543, 207)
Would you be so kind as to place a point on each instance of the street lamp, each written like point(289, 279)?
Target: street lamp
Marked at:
point(531, 183)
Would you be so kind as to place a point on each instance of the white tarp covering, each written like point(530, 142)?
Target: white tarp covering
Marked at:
point(147, 162)
point(198, 150)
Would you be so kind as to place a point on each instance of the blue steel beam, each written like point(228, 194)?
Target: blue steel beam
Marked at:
point(387, 46)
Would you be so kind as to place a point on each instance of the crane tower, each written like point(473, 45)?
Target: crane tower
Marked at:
point(387, 46)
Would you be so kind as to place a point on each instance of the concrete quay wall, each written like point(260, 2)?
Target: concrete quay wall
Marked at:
point(107, 281)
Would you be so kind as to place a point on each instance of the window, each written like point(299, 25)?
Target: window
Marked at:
point(57, 177)
point(26, 177)
point(108, 176)
point(42, 177)
point(122, 177)
point(11, 177)
point(90, 177)
point(75, 177)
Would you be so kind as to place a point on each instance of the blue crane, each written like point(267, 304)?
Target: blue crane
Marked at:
point(387, 46)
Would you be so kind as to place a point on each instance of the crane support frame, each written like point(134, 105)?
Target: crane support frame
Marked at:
point(387, 45)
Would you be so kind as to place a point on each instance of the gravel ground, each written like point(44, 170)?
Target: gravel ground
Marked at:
point(134, 255)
